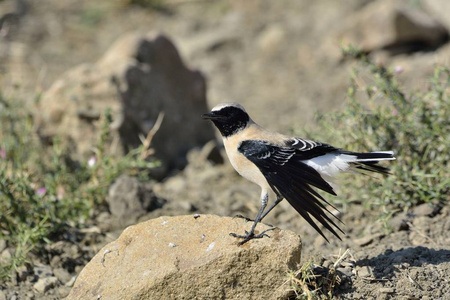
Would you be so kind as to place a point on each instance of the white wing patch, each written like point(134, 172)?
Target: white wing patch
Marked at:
point(331, 164)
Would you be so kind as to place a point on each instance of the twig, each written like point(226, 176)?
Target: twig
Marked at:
point(148, 140)
point(341, 258)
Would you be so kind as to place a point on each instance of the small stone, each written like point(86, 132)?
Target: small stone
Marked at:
point(71, 282)
point(62, 275)
point(3, 245)
point(423, 210)
point(56, 262)
point(367, 240)
point(186, 206)
point(2, 295)
point(129, 199)
point(364, 271)
point(44, 284)
point(175, 184)
point(6, 255)
point(348, 264)
point(63, 291)
point(41, 270)
point(346, 271)
point(22, 273)
point(78, 269)
point(399, 222)
point(386, 290)
point(327, 264)
point(103, 217)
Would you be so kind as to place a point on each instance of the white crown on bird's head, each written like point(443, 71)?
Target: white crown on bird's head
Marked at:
point(230, 104)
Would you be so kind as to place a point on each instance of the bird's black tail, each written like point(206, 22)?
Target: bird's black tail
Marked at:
point(369, 161)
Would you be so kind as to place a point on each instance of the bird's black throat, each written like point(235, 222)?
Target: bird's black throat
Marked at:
point(228, 129)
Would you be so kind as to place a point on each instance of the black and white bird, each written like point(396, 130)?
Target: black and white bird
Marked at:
point(291, 167)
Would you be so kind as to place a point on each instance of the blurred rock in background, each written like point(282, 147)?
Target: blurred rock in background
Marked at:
point(140, 76)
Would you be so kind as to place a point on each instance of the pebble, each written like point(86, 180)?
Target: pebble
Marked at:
point(56, 261)
point(2, 245)
point(364, 271)
point(62, 275)
point(386, 290)
point(2, 295)
point(423, 210)
point(367, 240)
point(6, 255)
point(71, 282)
point(22, 273)
point(44, 284)
point(399, 222)
point(63, 291)
point(348, 264)
point(41, 270)
point(328, 264)
point(346, 271)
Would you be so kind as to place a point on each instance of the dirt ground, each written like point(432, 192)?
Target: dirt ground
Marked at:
point(280, 61)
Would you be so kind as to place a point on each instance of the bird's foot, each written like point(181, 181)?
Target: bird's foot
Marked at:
point(251, 235)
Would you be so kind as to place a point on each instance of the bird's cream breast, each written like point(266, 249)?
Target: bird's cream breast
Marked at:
point(240, 163)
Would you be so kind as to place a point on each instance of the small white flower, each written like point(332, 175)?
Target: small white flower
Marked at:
point(92, 161)
point(398, 69)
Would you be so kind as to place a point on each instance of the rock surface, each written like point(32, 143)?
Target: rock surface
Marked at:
point(393, 26)
point(140, 76)
point(189, 257)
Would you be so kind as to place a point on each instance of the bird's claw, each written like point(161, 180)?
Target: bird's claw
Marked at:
point(251, 235)
point(243, 217)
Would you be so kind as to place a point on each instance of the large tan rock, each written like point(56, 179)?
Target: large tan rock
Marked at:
point(440, 9)
point(190, 258)
point(394, 26)
point(140, 76)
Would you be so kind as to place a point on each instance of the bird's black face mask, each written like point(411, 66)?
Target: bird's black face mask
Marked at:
point(228, 120)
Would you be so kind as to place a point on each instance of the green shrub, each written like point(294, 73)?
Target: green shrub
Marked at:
point(44, 191)
point(379, 115)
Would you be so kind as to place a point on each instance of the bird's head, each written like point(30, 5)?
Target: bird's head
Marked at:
point(229, 118)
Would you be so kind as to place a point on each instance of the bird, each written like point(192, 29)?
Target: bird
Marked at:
point(293, 168)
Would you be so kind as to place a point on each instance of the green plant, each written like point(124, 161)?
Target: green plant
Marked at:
point(313, 282)
point(45, 191)
point(380, 115)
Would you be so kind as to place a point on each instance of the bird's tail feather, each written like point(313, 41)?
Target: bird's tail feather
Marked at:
point(369, 161)
point(373, 156)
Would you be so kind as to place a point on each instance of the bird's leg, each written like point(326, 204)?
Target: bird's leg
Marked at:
point(279, 199)
point(251, 234)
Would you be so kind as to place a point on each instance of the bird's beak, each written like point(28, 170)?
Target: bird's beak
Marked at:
point(211, 116)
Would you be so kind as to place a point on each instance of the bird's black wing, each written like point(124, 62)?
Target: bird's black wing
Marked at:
point(307, 149)
point(292, 179)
